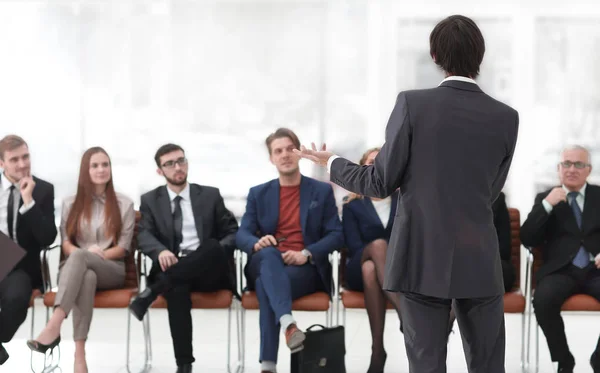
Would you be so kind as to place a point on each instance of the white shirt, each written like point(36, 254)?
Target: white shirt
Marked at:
point(580, 199)
point(383, 209)
point(190, 240)
point(4, 195)
point(460, 79)
point(457, 78)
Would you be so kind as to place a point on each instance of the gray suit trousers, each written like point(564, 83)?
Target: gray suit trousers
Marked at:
point(78, 279)
point(481, 323)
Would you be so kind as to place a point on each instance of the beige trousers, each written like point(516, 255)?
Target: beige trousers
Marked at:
point(78, 279)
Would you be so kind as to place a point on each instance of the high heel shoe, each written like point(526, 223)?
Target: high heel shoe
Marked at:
point(377, 367)
point(42, 348)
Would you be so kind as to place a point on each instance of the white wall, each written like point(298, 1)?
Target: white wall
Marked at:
point(219, 76)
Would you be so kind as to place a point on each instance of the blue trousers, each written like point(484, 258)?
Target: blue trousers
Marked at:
point(276, 286)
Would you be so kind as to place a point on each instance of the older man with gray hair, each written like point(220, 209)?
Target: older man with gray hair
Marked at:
point(565, 223)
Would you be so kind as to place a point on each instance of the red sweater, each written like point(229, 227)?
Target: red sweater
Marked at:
point(289, 225)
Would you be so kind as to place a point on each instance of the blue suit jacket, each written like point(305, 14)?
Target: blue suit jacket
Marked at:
point(321, 226)
point(363, 226)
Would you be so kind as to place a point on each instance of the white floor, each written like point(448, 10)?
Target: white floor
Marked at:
point(106, 346)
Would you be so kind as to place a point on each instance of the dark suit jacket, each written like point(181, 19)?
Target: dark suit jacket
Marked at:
point(212, 219)
point(362, 225)
point(557, 233)
point(321, 227)
point(449, 150)
point(36, 229)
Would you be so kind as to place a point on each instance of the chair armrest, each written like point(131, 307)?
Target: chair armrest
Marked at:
point(45, 267)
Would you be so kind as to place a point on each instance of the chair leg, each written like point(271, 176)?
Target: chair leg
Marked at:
point(147, 366)
point(239, 367)
point(537, 347)
point(148, 340)
point(243, 336)
point(524, 367)
point(31, 337)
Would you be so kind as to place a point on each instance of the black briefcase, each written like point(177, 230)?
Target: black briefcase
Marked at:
point(324, 351)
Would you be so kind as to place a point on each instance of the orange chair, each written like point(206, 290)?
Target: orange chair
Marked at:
point(319, 301)
point(576, 303)
point(117, 298)
point(514, 301)
point(222, 299)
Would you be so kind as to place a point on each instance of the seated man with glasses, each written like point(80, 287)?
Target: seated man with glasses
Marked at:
point(565, 223)
point(190, 236)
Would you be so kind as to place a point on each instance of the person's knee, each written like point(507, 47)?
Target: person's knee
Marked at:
point(368, 271)
point(267, 254)
point(90, 279)
point(379, 244)
point(17, 300)
point(545, 303)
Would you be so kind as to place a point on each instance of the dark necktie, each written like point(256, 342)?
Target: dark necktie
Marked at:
point(11, 212)
point(177, 223)
point(582, 259)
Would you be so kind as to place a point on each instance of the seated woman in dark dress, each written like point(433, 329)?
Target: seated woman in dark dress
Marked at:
point(367, 228)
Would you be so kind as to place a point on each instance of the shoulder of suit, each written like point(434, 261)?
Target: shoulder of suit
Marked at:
point(317, 183)
point(258, 188)
point(154, 192)
point(123, 199)
point(592, 186)
point(42, 182)
point(204, 188)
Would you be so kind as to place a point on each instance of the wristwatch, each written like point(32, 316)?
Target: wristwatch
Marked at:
point(308, 255)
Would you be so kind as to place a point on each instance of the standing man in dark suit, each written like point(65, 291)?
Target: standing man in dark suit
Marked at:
point(565, 223)
point(26, 216)
point(290, 227)
point(190, 236)
point(449, 150)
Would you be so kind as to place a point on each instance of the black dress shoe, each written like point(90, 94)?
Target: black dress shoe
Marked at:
point(141, 303)
point(3, 355)
point(595, 362)
point(185, 368)
point(566, 366)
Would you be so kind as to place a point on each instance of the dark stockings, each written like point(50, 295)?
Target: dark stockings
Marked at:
point(376, 300)
point(373, 266)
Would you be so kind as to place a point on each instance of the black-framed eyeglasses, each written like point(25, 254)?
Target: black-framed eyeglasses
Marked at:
point(578, 165)
point(170, 164)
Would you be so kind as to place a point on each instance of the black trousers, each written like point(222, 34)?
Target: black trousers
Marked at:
point(205, 270)
point(550, 294)
point(15, 294)
point(426, 321)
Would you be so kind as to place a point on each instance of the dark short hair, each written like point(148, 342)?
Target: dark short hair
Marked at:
point(457, 45)
point(281, 133)
point(9, 143)
point(166, 149)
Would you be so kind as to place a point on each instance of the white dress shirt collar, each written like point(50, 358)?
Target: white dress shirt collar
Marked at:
point(581, 191)
point(185, 193)
point(6, 184)
point(459, 78)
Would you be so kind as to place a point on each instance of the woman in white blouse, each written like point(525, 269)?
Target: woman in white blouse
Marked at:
point(97, 228)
